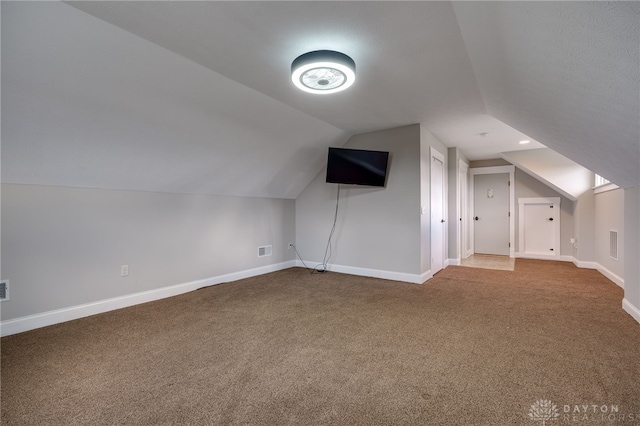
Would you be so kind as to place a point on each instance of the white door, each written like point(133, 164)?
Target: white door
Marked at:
point(539, 227)
point(437, 211)
point(491, 214)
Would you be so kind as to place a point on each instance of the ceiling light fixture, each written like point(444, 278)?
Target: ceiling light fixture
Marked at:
point(323, 72)
point(524, 142)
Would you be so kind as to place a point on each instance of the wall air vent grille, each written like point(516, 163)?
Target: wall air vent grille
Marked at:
point(264, 251)
point(4, 290)
point(613, 244)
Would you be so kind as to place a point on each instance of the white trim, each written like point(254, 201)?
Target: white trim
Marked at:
point(559, 258)
point(619, 281)
point(425, 276)
point(604, 271)
point(539, 200)
point(613, 277)
point(462, 207)
point(31, 322)
point(585, 264)
point(604, 188)
point(434, 154)
point(512, 197)
point(631, 310)
point(454, 262)
point(375, 273)
point(555, 202)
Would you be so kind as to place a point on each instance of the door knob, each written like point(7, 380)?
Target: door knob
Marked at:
point(442, 221)
point(476, 218)
point(550, 218)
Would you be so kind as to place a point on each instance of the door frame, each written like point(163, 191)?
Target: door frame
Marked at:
point(463, 210)
point(522, 203)
point(512, 195)
point(433, 153)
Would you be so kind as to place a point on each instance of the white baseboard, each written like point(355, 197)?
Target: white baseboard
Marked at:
point(604, 271)
point(613, 277)
point(454, 262)
point(580, 264)
point(631, 310)
point(559, 258)
point(584, 264)
point(426, 276)
point(31, 322)
point(375, 273)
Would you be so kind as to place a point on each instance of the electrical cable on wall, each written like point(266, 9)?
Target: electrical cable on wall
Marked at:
point(328, 249)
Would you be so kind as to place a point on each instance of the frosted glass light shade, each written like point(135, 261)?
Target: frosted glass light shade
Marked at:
point(323, 72)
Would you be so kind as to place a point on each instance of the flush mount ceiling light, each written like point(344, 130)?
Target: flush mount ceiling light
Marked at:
point(524, 142)
point(323, 72)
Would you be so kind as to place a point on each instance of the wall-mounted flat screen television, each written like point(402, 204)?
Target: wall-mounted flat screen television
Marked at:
point(357, 166)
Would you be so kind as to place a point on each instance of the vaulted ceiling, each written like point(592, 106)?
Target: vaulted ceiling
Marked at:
point(195, 97)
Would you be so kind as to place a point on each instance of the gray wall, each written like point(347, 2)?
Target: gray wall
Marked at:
point(63, 247)
point(529, 187)
point(609, 214)
point(377, 228)
point(632, 249)
point(585, 227)
point(494, 162)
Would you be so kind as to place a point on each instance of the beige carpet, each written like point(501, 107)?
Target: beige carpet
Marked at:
point(470, 347)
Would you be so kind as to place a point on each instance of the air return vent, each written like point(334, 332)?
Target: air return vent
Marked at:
point(264, 251)
point(613, 244)
point(4, 290)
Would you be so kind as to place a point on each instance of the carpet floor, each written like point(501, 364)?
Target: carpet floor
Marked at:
point(547, 343)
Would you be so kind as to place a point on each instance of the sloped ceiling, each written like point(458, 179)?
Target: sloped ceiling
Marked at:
point(195, 97)
point(565, 73)
point(554, 170)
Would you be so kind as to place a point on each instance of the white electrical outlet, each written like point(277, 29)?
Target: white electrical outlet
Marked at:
point(124, 270)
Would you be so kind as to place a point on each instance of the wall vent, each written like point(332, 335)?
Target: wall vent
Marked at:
point(264, 251)
point(613, 244)
point(4, 290)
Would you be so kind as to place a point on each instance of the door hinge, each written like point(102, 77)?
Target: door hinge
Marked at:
point(508, 183)
point(509, 214)
point(509, 245)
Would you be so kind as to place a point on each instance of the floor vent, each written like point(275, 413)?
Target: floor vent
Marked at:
point(264, 251)
point(4, 290)
point(613, 244)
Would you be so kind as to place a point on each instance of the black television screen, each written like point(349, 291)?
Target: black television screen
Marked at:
point(357, 166)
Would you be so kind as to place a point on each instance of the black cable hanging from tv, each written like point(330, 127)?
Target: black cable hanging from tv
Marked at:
point(328, 249)
point(325, 259)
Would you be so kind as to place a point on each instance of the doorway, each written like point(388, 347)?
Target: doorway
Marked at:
point(493, 223)
point(491, 214)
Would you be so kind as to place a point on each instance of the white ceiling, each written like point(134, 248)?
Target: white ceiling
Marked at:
point(195, 97)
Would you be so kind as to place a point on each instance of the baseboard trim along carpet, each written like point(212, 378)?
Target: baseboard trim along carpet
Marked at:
point(631, 310)
point(375, 273)
point(604, 271)
point(580, 264)
point(31, 322)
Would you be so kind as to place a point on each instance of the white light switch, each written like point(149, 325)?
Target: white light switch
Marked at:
point(124, 270)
